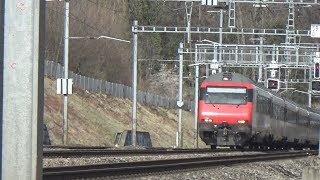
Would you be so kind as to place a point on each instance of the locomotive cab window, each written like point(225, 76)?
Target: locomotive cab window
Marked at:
point(226, 95)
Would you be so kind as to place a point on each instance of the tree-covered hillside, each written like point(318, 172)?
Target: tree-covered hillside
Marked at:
point(112, 60)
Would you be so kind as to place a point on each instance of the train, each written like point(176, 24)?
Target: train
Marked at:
point(236, 112)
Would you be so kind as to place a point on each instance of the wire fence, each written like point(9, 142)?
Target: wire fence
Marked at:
point(55, 70)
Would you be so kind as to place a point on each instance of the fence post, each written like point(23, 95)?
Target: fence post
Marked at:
point(76, 80)
point(57, 71)
point(111, 89)
point(51, 68)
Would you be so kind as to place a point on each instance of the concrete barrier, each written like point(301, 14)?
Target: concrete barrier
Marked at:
point(124, 139)
point(311, 173)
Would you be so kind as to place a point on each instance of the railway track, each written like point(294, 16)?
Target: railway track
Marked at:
point(74, 147)
point(141, 168)
point(109, 152)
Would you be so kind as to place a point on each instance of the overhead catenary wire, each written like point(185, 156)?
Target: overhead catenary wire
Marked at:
point(106, 7)
point(101, 37)
point(77, 19)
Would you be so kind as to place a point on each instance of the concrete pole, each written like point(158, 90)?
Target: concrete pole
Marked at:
point(305, 75)
point(21, 84)
point(310, 88)
point(180, 102)
point(220, 34)
point(260, 73)
point(261, 60)
point(207, 65)
point(196, 98)
point(134, 83)
point(66, 69)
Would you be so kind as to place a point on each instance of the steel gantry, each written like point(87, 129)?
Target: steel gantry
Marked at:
point(234, 55)
point(271, 58)
point(302, 2)
point(210, 30)
point(251, 55)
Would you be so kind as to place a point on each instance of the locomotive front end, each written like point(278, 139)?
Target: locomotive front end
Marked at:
point(225, 113)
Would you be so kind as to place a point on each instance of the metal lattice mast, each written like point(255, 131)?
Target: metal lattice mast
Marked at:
point(188, 14)
point(256, 38)
point(290, 37)
point(232, 12)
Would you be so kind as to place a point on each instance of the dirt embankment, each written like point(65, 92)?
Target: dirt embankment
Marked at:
point(94, 119)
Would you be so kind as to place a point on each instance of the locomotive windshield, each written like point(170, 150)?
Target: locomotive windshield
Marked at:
point(226, 95)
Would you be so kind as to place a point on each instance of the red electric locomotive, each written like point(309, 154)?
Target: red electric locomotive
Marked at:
point(236, 112)
point(225, 110)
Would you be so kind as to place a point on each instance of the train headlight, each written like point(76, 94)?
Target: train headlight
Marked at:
point(242, 122)
point(208, 120)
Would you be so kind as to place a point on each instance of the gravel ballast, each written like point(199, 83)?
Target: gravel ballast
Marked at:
point(50, 162)
point(270, 170)
point(279, 169)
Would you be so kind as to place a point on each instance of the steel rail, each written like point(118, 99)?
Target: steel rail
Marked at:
point(74, 147)
point(108, 152)
point(158, 166)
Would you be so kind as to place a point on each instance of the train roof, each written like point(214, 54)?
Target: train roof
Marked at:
point(236, 77)
point(233, 77)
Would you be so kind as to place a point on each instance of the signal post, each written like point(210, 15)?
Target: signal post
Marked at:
point(315, 84)
point(316, 74)
point(273, 82)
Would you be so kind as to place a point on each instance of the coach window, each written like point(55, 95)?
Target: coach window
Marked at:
point(303, 120)
point(307, 119)
point(313, 122)
point(291, 116)
point(263, 104)
point(270, 108)
point(282, 113)
point(274, 111)
point(267, 107)
point(258, 106)
point(278, 112)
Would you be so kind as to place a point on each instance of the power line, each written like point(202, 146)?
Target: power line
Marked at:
point(85, 23)
point(106, 7)
point(182, 8)
point(77, 19)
